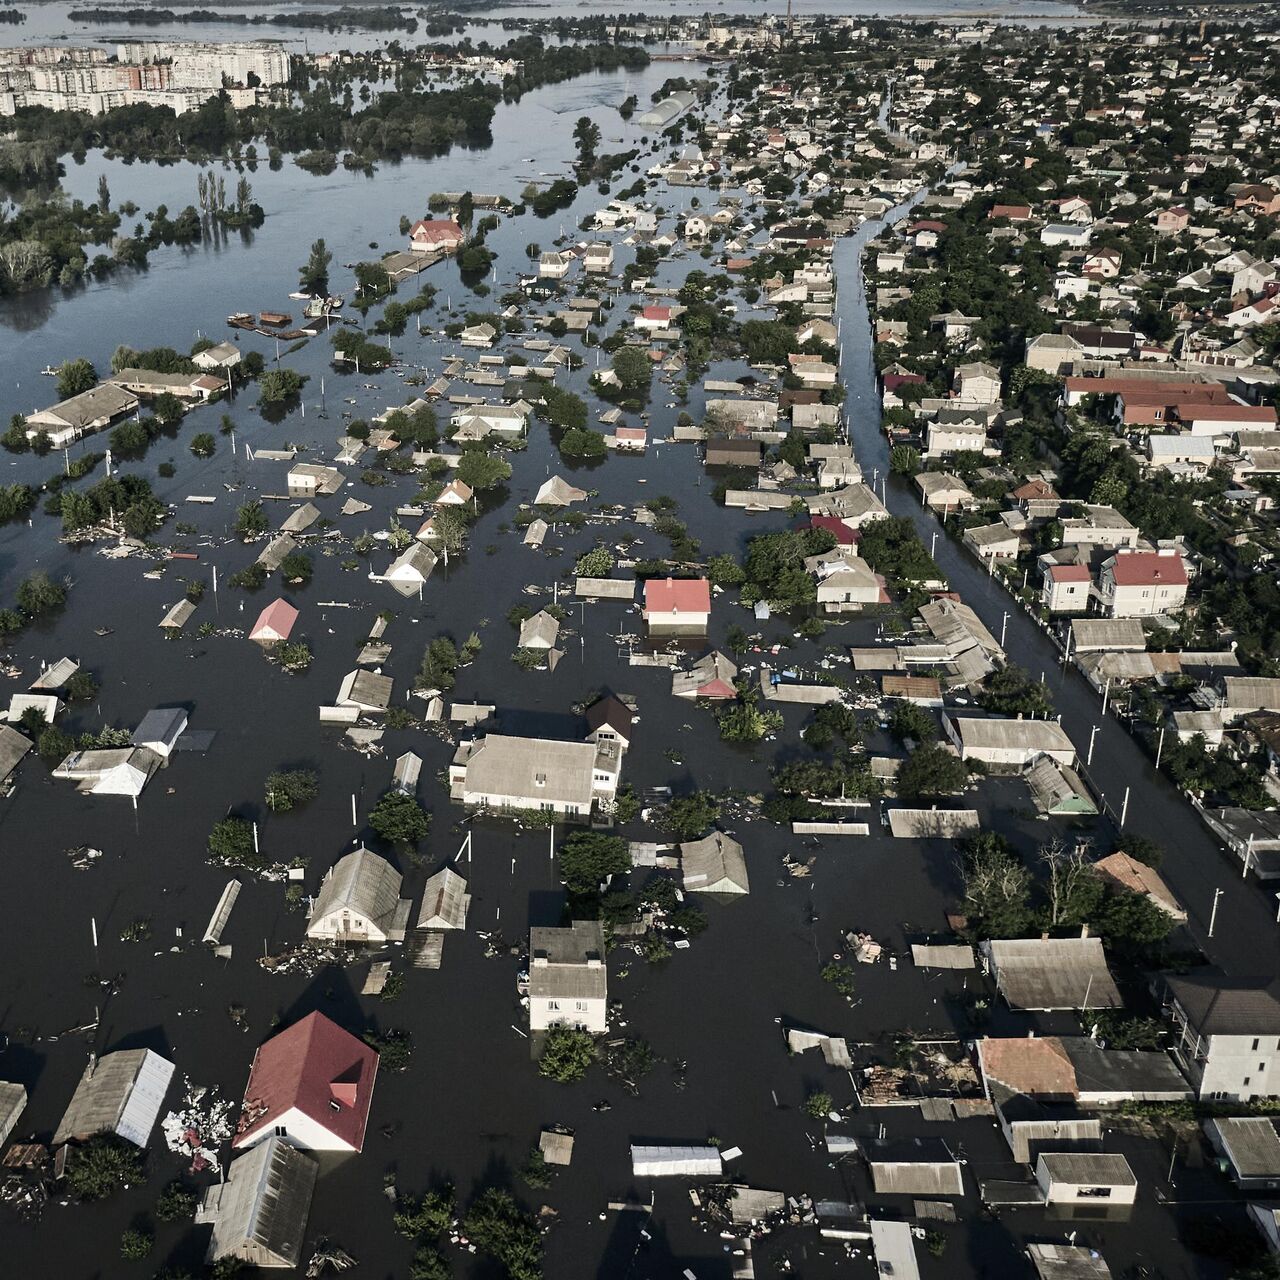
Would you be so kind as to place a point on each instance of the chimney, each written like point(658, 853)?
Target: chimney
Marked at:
point(1084, 930)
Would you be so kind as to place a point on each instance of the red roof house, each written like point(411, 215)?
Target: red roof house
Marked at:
point(310, 1085)
point(677, 606)
point(274, 623)
point(436, 234)
point(844, 535)
point(654, 318)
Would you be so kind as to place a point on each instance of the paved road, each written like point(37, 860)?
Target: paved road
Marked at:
point(1246, 937)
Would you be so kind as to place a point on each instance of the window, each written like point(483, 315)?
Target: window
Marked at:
point(553, 1004)
point(1255, 1046)
point(1095, 1193)
point(280, 1131)
point(581, 1006)
point(1246, 1080)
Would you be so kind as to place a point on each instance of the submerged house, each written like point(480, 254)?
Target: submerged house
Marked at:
point(259, 1213)
point(1052, 973)
point(119, 1093)
point(677, 606)
point(503, 772)
point(445, 901)
point(311, 1085)
point(360, 902)
point(275, 623)
point(110, 771)
point(715, 864)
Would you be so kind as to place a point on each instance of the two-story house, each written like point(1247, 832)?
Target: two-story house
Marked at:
point(1227, 1034)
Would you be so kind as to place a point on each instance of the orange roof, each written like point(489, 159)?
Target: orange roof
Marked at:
point(1031, 1065)
point(1128, 873)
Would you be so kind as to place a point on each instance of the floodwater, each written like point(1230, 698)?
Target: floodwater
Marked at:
point(471, 1105)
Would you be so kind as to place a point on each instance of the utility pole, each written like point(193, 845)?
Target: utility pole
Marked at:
point(1093, 733)
point(1213, 915)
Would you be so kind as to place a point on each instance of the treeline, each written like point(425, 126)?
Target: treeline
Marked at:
point(382, 18)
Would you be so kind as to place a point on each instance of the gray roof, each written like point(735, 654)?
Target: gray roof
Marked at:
point(1250, 1143)
point(996, 733)
point(1227, 1006)
point(367, 886)
point(13, 746)
point(103, 401)
point(914, 1166)
point(444, 901)
point(533, 769)
point(1053, 973)
point(303, 518)
point(260, 1212)
point(1067, 1262)
point(1091, 1168)
point(933, 824)
point(162, 724)
point(13, 1099)
point(568, 963)
point(1057, 788)
point(272, 556)
point(365, 689)
point(715, 864)
point(1137, 1071)
point(120, 1092)
point(539, 631)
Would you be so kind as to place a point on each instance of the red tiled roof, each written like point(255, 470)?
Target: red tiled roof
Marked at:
point(311, 1065)
point(435, 230)
point(845, 536)
point(1034, 1065)
point(1228, 412)
point(1148, 568)
point(656, 313)
point(1069, 572)
point(677, 595)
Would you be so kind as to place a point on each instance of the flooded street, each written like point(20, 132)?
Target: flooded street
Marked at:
point(471, 1104)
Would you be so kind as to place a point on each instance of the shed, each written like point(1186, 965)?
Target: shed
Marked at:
point(605, 588)
point(1067, 1262)
point(119, 1093)
point(176, 616)
point(942, 956)
point(13, 746)
point(1097, 1179)
point(54, 676)
point(1248, 1149)
point(1052, 973)
point(674, 1162)
point(933, 824)
point(895, 1250)
point(13, 1101)
point(535, 533)
point(1094, 635)
point(160, 729)
point(914, 1166)
point(259, 1213)
point(365, 690)
point(1057, 789)
point(556, 1146)
point(273, 555)
point(715, 864)
point(303, 518)
point(445, 901)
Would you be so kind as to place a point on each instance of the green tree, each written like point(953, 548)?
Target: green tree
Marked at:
point(1011, 691)
point(496, 1226)
point(482, 470)
point(567, 1054)
point(169, 409)
point(39, 595)
point(587, 858)
point(818, 1105)
point(76, 376)
point(997, 888)
point(909, 722)
point(633, 368)
point(931, 772)
point(251, 520)
point(596, 563)
point(136, 1243)
point(204, 445)
point(578, 442)
point(690, 816)
point(278, 385)
point(400, 819)
point(725, 571)
point(314, 276)
point(296, 567)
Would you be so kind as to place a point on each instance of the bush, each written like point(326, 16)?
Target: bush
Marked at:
point(429, 1216)
point(690, 816)
point(567, 1054)
point(395, 1048)
point(102, 1166)
point(231, 843)
point(251, 520)
point(204, 445)
point(290, 788)
point(596, 563)
point(496, 1226)
point(296, 567)
point(136, 1243)
point(931, 772)
point(817, 1105)
point(176, 1201)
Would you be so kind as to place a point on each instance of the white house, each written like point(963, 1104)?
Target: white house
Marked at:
point(568, 980)
point(1228, 1035)
point(359, 901)
point(502, 772)
point(1093, 1178)
point(1143, 584)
